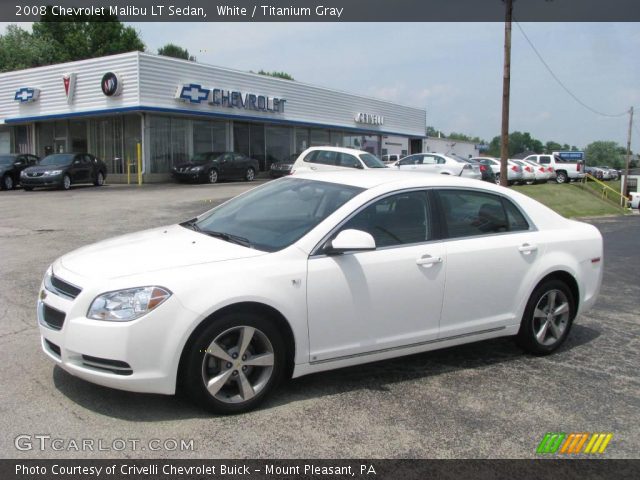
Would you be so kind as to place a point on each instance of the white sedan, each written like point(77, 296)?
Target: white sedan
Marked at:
point(438, 163)
point(316, 272)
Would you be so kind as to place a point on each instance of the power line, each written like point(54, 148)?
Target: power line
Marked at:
point(597, 112)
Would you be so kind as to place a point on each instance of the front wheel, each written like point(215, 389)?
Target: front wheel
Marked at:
point(234, 363)
point(212, 176)
point(250, 175)
point(547, 318)
point(66, 182)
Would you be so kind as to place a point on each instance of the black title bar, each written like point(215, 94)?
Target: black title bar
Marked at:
point(327, 11)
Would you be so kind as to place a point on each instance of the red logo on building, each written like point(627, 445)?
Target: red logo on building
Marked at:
point(69, 81)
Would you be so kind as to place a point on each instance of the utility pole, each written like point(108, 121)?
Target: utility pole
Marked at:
point(626, 169)
point(506, 85)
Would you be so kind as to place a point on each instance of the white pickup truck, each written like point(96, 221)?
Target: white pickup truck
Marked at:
point(567, 165)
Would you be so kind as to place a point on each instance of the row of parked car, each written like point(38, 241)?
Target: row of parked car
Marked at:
point(603, 173)
point(60, 170)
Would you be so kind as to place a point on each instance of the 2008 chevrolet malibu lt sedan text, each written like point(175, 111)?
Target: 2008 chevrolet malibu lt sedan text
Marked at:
point(316, 272)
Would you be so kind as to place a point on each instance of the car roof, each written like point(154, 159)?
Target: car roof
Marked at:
point(336, 149)
point(392, 178)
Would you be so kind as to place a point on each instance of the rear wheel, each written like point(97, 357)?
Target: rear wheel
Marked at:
point(99, 180)
point(7, 182)
point(547, 318)
point(234, 363)
point(561, 177)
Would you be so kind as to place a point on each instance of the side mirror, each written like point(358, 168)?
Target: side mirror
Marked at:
point(350, 241)
point(359, 166)
point(18, 164)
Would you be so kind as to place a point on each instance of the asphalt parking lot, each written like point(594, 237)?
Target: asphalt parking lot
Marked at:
point(485, 400)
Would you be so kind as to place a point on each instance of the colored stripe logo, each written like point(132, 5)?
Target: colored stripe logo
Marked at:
point(573, 443)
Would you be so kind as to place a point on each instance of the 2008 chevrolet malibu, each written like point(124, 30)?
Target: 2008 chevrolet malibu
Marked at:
point(316, 272)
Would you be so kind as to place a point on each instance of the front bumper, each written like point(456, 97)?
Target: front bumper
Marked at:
point(140, 356)
point(43, 181)
point(189, 176)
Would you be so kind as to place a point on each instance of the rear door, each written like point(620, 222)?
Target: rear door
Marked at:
point(492, 253)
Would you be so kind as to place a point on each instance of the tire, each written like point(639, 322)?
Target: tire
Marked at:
point(561, 177)
point(212, 176)
point(7, 183)
point(250, 175)
point(99, 180)
point(217, 352)
point(66, 182)
point(28, 189)
point(542, 332)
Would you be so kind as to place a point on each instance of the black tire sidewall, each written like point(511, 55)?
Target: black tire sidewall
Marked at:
point(526, 336)
point(192, 372)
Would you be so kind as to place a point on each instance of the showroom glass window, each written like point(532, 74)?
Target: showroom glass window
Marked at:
point(469, 213)
point(399, 219)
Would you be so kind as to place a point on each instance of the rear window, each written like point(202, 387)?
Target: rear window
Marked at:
point(470, 213)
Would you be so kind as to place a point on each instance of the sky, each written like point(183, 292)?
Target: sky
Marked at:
point(453, 70)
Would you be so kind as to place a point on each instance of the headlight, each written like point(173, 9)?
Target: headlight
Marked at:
point(196, 169)
point(52, 172)
point(127, 305)
point(23, 173)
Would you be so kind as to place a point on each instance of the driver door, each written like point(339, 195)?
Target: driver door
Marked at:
point(364, 302)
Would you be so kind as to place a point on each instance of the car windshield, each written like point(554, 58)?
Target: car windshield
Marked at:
point(7, 159)
point(57, 159)
point(205, 156)
point(275, 215)
point(372, 161)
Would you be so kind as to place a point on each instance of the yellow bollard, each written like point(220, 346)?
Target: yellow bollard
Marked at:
point(139, 163)
point(128, 170)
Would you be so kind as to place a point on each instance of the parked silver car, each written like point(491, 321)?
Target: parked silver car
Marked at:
point(438, 163)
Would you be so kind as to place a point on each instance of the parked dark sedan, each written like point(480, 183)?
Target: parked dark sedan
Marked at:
point(62, 170)
point(280, 169)
point(213, 166)
point(11, 164)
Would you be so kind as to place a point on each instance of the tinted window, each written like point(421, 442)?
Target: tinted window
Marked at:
point(395, 220)
point(545, 159)
point(57, 159)
point(323, 157)
point(516, 220)
point(411, 160)
point(346, 160)
point(275, 215)
point(238, 156)
point(469, 213)
point(371, 161)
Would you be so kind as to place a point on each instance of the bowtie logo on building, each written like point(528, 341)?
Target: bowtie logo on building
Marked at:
point(26, 94)
point(192, 93)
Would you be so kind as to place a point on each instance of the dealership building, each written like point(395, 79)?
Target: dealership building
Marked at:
point(176, 108)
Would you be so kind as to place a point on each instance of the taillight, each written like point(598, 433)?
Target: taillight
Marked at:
point(483, 168)
point(578, 166)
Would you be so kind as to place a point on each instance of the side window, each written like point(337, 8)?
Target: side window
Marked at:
point(323, 157)
point(395, 220)
point(545, 159)
point(516, 220)
point(86, 159)
point(440, 160)
point(346, 160)
point(228, 157)
point(237, 157)
point(411, 160)
point(32, 159)
point(469, 213)
point(429, 160)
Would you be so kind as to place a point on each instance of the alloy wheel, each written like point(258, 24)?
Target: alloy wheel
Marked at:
point(250, 175)
point(551, 317)
point(213, 176)
point(7, 182)
point(238, 365)
point(66, 182)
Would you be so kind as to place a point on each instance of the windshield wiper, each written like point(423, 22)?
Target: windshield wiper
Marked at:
point(227, 237)
point(192, 224)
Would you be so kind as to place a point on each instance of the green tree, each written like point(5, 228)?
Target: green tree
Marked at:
point(19, 49)
point(84, 36)
point(172, 50)
point(464, 138)
point(552, 146)
point(605, 153)
point(431, 131)
point(275, 74)
point(518, 143)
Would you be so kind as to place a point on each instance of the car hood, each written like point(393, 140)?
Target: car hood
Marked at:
point(150, 250)
point(44, 168)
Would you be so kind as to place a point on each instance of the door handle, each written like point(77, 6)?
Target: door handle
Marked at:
point(527, 248)
point(428, 261)
point(314, 168)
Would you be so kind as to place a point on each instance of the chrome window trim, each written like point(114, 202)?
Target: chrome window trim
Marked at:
point(315, 252)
